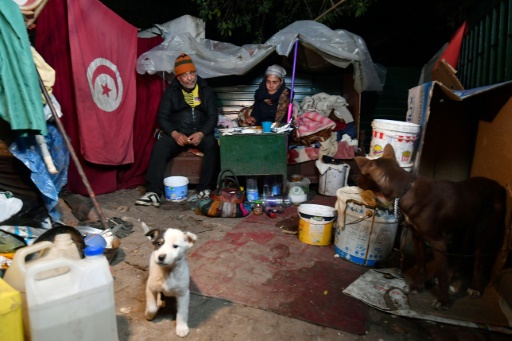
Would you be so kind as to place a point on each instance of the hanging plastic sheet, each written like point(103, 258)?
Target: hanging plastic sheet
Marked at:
point(213, 58)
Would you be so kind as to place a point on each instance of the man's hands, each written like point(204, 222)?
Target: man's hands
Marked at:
point(183, 140)
point(195, 138)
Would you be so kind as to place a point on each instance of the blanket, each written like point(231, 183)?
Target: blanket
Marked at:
point(311, 124)
point(299, 154)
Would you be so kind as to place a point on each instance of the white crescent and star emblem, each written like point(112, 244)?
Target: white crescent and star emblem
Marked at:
point(105, 84)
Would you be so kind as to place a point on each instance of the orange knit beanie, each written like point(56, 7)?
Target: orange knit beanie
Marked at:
point(183, 64)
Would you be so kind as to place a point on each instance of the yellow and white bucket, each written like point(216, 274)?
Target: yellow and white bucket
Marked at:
point(315, 224)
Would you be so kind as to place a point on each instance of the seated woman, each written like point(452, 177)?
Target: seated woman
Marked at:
point(270, 100)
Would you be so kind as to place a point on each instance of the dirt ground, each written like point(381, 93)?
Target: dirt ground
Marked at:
point(215, 319)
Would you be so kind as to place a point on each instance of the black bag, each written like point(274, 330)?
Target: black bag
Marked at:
point(227, 200)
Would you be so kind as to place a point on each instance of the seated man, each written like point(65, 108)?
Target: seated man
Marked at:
point(187, 117)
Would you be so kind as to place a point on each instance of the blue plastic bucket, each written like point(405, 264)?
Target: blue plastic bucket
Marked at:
point(176, 188)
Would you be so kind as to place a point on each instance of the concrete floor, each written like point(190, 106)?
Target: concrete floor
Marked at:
point(215, 319)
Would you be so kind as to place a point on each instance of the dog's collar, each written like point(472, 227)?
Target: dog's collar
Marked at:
point(407, 188)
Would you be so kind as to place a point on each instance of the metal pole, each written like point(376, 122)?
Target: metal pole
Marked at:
point(72, 153)
point(290, 105)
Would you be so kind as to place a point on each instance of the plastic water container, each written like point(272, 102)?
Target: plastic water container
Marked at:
point(268, 182)
point(15, 275)
point(11, 326)
point(252, 189)
point(276, 185)
point(76, 305)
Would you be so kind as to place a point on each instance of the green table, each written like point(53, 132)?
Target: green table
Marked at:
point(255, 154)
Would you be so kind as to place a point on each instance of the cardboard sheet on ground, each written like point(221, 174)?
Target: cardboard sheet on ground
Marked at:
point(257, 265)
point(383, 289)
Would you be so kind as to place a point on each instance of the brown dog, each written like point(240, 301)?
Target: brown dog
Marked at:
point(469, 213)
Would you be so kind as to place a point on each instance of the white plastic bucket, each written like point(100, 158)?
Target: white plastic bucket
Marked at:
point(365, 234)
point(401, 135)
point(176, 188)
point(315, 224)
point(332, 177)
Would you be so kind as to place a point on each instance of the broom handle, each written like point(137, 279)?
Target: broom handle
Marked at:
point(72, 153)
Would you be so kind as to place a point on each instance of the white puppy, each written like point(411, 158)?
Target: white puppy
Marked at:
point(169, 274)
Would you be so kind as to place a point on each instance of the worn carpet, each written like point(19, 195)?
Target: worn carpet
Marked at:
point(258, 265)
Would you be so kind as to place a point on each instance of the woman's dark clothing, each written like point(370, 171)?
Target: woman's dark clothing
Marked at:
point(262, 110)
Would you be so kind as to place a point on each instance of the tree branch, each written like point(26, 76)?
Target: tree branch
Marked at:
point(330, 9)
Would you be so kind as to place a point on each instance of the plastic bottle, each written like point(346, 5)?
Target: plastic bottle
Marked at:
point(276, 185)
point(76, 305)
point(267, 187)
point(274, 205)
point(276, 201)
point(252, 188)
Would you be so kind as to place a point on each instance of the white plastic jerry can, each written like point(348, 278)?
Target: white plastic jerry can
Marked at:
point(76, 305)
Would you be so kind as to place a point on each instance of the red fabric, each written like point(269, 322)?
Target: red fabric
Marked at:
point(52, 43)
point(103, 57)
point(451, 54)
point(149, 91)
point(340, 125)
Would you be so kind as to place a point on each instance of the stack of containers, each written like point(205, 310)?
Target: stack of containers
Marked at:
point(64, 297)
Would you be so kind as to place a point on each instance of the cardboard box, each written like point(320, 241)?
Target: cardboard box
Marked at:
point(463, 133)
point(456, 127)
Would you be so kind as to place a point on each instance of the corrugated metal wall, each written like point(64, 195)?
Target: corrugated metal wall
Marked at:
point(236, 91)
point(486, 53)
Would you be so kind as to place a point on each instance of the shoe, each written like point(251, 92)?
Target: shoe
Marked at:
point(149, 199)
point(204, 194)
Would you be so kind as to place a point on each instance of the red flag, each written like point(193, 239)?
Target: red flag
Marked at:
point(451, 54)
point(103, 57)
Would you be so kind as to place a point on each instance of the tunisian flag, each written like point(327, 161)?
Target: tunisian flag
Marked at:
point(103, 56)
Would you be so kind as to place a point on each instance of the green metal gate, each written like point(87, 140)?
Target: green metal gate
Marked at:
point(486, 53)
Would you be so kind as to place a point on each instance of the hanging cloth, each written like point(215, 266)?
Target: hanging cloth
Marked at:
point(20, 96)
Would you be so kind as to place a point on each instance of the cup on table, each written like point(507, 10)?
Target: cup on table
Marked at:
point(267, 125)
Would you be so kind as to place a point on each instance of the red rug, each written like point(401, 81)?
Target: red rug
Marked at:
point(259, 266)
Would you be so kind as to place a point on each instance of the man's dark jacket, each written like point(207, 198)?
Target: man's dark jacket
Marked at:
point(175, 114)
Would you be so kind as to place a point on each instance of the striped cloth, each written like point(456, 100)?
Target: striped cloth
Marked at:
point(312, 122)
